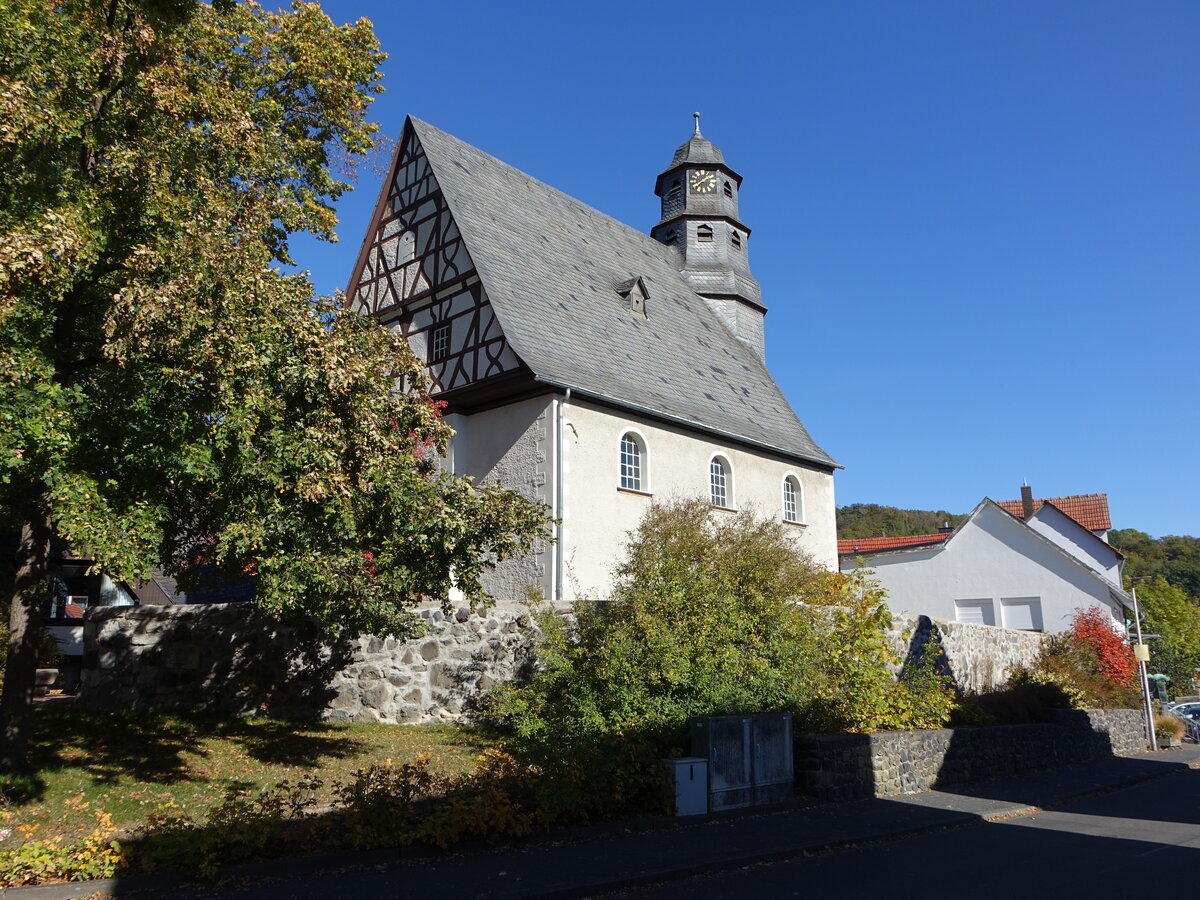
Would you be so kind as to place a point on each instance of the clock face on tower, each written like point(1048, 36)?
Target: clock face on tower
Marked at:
point(703, 181)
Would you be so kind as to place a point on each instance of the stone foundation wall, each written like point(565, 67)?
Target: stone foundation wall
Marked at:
point(888, 763)
point(229, 658)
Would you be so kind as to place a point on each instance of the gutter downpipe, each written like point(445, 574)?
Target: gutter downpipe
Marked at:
point(559, 500)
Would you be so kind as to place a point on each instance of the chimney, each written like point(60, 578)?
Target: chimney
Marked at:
point(1026, 501)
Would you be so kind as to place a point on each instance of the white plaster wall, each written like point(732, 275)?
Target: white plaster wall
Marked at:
point(1078, 541)
point(598, 515)
point(512, 445)
point(993, 556)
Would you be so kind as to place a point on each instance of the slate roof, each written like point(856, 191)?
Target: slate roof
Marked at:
point(697, 149)
point(1089, 510)
point(851, 546)
point(552, 267)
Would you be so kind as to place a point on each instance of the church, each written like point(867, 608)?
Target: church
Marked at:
point(589, 365)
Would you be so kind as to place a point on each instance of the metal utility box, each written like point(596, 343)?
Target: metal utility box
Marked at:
point(690, 777)
point(749, 758)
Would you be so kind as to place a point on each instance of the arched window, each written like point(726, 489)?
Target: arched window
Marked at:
point(793, 500)
point(729, 190)
point(633, 462)
point(720, 483)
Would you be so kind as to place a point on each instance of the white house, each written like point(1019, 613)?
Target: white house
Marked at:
point(1027, 570)
point(587, 364)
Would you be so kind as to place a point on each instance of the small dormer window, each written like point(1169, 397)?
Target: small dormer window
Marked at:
point(704, 234)
point(735, 238)
point(670, 238)
point(729, 190)
point(634, 294)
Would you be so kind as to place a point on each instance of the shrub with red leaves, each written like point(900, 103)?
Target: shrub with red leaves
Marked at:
point(1114, 657)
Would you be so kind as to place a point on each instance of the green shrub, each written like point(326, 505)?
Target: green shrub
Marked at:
point(703, 620)
point(854, 689)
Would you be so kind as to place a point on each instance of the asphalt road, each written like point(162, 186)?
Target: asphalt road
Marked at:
point(1131, 843)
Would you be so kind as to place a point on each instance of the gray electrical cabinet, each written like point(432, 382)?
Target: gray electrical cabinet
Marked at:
point(749, 758)
point(690, 777)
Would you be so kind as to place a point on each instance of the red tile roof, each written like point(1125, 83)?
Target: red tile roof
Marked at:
point(851, 546)
point(1089, 510)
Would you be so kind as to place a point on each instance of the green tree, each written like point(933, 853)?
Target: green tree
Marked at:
point(167, 393)
point(1175, 617)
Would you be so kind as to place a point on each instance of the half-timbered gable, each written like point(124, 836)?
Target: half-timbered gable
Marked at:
point(415, 274)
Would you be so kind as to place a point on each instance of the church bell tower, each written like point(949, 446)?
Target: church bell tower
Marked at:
point(699, 195)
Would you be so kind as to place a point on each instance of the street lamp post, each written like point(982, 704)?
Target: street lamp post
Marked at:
point(1141, 653)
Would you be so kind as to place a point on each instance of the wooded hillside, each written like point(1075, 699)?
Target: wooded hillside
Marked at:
point(864, 520)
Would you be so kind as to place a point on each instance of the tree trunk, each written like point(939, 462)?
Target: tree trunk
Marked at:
point(30, 589)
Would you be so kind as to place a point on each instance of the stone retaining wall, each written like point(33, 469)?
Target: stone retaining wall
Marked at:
point(888, 763)
point(229, 658)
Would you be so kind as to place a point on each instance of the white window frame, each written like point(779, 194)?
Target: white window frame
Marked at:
point(727, 477)
point(643, 482)
point(439, 343)
point(798, 517)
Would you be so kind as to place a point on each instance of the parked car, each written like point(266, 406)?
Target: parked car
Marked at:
point(1182, 710)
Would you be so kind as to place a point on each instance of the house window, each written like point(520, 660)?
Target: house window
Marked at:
point(1022, 613)
point(704, 234)
point(793, 505)
point(720, 483)
point(440, 348)
point(632, 462)
point(729, 190)
point(976, 612)
point(675, 191)
point(735, 238)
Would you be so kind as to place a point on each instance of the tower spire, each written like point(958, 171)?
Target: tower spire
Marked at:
point(700, 220)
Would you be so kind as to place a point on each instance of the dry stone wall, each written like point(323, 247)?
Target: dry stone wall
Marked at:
point(980, 657)
point(229, 658)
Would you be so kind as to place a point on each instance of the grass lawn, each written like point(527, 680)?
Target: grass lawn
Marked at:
point(131, 764)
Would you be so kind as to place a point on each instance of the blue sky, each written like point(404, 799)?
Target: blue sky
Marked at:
point(976, 224)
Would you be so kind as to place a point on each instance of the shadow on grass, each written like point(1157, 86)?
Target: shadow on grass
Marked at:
point(289, 743)
point(162, 748)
